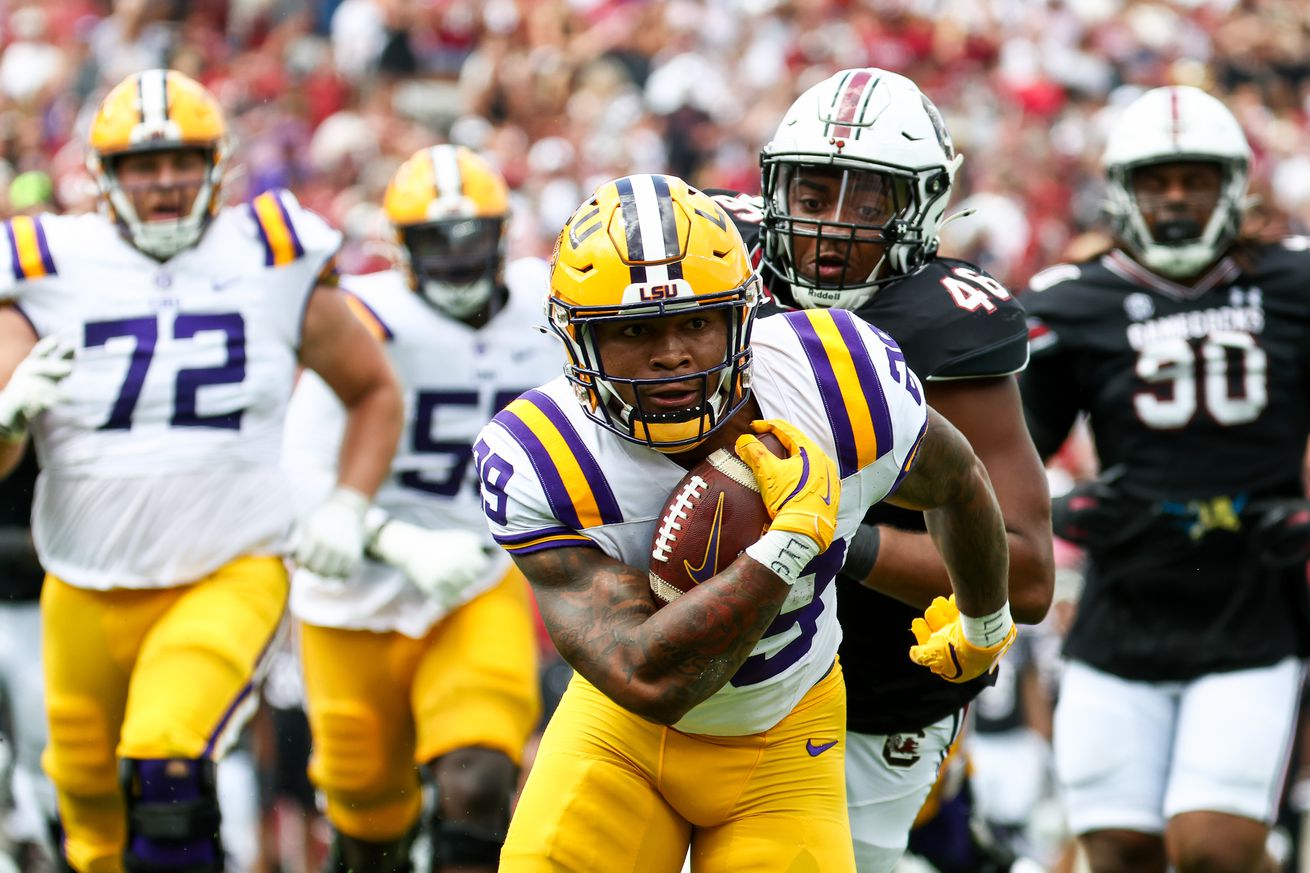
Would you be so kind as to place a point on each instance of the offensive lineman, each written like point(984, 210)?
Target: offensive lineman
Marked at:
point(438, 669)
point(151, 351)
point(855, 186)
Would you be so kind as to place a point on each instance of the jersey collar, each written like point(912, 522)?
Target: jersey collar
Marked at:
point(1223, 272)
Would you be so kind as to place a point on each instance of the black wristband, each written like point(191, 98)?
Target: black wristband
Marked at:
point(861, 555)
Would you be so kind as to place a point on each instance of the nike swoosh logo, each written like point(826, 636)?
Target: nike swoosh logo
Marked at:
point(706, 570)
point(817, 750)
point(827, 495)
point(955, 659)
point(805, 477)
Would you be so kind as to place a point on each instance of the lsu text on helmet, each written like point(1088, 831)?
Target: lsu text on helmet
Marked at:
point(644, 247)
point(1166, 125)
point(155, 111)
point(855, 184)
point(449, 208)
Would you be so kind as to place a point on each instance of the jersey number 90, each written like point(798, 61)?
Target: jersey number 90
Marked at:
point(1225, 374)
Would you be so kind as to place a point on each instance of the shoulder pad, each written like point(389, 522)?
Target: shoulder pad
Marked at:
point(952, 321)
point(287, 230)
point(367, 316)
point(29, 251)
point(1054, 276)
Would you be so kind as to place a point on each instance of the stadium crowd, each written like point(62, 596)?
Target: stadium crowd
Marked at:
point(328, 98)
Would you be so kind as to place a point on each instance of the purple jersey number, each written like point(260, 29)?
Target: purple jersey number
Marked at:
point(423, 438)
point(758, 668)
point(494, 473)
point(189, 379)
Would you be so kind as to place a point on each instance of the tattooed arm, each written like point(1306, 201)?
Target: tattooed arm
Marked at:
point(655, 663)
point(951, 487)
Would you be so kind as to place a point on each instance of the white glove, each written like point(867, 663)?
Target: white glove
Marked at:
point(34, 386)
point(441, 563)
point(330, 542)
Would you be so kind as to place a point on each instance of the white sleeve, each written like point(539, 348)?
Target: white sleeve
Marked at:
point(514, 499)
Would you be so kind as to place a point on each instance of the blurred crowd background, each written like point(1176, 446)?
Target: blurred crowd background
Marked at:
point(327, 97)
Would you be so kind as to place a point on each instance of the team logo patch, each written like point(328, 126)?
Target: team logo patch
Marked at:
point(902, 750)
point(1139, 307)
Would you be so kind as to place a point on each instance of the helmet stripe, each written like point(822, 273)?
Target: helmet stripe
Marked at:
point(152, 90)
point(1175, 118)
point(632, 230)
point(631, 222)
point(445, 172)
point(646, 201)
point(847, 105)
point(668, 222)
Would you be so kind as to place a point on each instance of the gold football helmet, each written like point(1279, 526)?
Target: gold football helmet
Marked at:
point(643, 247)
point(158, 110)
point(449, 207)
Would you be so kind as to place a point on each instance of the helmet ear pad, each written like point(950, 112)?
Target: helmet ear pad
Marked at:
point(868, 124)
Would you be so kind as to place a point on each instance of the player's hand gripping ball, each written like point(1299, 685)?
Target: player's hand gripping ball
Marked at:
point(710, 518)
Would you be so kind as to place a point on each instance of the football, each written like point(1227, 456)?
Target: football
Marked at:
point(711, 517)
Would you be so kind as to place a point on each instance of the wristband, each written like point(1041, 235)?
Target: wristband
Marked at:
point(785, 553)
point(862, 554)
point(987, 631)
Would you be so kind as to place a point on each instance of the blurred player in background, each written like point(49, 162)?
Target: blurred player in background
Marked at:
point(29, 824)
point(151, 350)
point(430, 659)
point(1188, 345)
point(856, 182)
point(717, 720)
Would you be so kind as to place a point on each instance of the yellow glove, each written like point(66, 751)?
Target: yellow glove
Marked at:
point(943, 649)
point(802, 491)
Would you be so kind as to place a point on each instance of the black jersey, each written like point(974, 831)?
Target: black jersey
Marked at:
point(20, 573)
point(952, 321)
point(1199, 400)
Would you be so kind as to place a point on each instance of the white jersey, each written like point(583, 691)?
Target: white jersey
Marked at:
point(454, 379)
point(161, 465)
point(552, 478)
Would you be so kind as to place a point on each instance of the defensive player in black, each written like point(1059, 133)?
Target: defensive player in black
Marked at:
point(1188, 345)
point(855, 186)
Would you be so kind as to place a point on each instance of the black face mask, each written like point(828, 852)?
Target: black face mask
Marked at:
point(456, 251)
point(1177, 231)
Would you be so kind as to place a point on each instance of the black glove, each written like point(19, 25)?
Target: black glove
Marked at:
point(1091, 514)
point(1281, 530)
